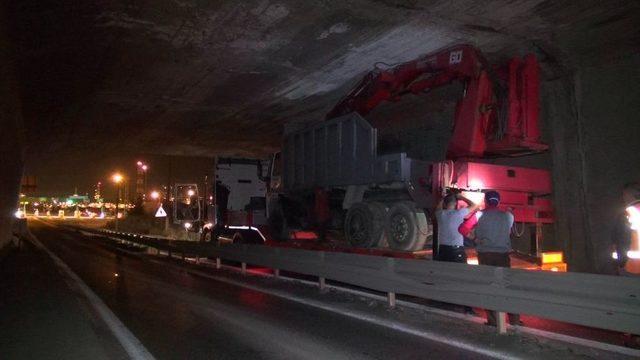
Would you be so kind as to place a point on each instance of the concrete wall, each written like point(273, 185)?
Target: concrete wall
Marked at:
point(11, 137)
point(594, 117)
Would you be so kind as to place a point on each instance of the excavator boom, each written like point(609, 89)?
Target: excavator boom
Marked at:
point(497, 115)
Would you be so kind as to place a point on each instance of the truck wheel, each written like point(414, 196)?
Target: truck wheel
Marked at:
point(379, 212)
point(364, 224)
point(406, 227)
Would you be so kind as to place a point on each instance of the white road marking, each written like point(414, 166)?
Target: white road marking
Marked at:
point(134, 348)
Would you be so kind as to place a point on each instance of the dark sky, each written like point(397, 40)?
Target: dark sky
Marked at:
point(58, 174)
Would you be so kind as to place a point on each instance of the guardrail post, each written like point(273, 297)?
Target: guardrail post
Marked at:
point(391, 296)
point(321, 279)
point(244, 268)
point(391, 299)
point(276, 273)
point(218, 265)
point(501, 322)
point(197, 260)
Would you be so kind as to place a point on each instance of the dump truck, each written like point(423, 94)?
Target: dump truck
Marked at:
point(335, 167)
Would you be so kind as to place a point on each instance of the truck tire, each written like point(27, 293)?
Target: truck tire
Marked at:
point(364, 224)
point(406, 227)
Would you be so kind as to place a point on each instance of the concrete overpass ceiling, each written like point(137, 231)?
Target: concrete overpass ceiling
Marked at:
point(204, 77)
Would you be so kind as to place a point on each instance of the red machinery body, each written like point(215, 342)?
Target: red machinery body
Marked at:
point(522, 190)
point(496, 116)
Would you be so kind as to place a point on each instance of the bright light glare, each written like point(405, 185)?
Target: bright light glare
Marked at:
point(144, 167)
point(190, 192)
point(634, 217)
point(475, 196)
point(630, 254)
point(187, 225)
point(472, 261)
point(208, 225)
point(552, 257)
point(155, 195)
point(117, 178)
point(476, 184)
point(19, 214)
point(139, 163)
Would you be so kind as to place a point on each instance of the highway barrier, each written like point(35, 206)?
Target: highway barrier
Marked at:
point(599, 301)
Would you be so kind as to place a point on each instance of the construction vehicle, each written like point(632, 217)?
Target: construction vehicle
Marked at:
point(381, 199)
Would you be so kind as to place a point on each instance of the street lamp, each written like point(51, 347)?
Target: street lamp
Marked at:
point(154, 195)
point(117, 179)
point(141, 181)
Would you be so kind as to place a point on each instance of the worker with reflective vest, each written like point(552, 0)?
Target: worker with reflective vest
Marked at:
point(625, 236)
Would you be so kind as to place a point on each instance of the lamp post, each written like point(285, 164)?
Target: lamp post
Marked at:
point(141, 180)
point(144, 178)
point(117, 179)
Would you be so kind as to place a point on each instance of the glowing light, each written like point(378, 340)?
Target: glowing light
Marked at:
point(155, 195)
point(472, 261)
point(208, 225)
point(630, 254)
point(633, 214)
point(187, 225)
point(144, 167)
point(476, 184)
point(475, 196)
point(116, 274)
point(117, 178)
point(19, 214)
point(552, 257)
point(190, 192)
point(139, 163)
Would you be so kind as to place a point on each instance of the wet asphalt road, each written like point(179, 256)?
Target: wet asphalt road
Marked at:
point(180, 316)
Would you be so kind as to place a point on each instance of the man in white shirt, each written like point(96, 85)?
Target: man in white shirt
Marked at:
point(450, 241)
point(449, 218)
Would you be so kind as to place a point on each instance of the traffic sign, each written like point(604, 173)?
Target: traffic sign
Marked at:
point(161, 212)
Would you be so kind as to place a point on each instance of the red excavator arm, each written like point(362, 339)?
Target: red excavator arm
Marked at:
point(497, 115)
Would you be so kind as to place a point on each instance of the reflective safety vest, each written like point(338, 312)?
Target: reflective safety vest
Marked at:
point(633, 216)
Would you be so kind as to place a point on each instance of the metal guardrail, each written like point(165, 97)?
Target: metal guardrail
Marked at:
point(599, 301)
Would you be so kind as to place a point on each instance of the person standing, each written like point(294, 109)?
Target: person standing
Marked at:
point(450, 241)
point(622, 237)
point(449, 218)
point(493, 241)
